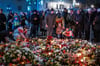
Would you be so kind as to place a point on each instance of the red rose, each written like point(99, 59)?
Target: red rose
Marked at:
point(4, 45)
point(64, 51)
point(20, 30)
point(10, 64)
point(28, 61)
point(27, 45)
point(27, 40)
point(51, 50)
point(17, 39)
point(49, 37)
point(0, 56)
point(93, 48)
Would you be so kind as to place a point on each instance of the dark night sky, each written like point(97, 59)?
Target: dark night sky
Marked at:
point(82, 1)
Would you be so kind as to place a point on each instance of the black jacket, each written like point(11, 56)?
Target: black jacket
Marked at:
point(97, 23)
point(35, 19)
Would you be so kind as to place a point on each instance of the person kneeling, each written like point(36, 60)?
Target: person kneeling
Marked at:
point(68, 33)
point(19, 33)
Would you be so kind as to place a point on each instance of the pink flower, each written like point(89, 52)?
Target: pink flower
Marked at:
point(24, 57)
point(14, 60)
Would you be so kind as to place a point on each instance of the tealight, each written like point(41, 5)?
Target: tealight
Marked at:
point(49, 53)
point(79, 54)
point(60, 46)
point(82, 60)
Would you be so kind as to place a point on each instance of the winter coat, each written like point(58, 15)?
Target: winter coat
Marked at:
point(50, 20)
point(35, 19)
point(97, 23)
point(2, 22)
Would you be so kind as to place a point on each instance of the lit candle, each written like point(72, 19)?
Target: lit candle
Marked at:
point(77, 40)
point(82, 60)
point(43, 48)
point(60, 46)
point(49, 53)
point(89, 50)
point(79, 54)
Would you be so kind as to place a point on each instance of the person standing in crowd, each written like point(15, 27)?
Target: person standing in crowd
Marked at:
point(2, 20)
point(83, 20)
point(96, 24)
point(59, 25)
point(47, 12)
point(16, 21)
point(35, 21)
point(22, 19)
point(71, 20)
point(50, 22)
point(65, 16)
point(78, 26)
point(29, 16)
point(43, 23)
point(9, 20)
point(88, 21)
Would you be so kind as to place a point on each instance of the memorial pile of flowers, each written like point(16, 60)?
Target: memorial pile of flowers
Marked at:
point(50, 51)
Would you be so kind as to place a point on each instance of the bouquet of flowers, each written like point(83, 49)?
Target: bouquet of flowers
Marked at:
point(50, 51)
point(18, 56)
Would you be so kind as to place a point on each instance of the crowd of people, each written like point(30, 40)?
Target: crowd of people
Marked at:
point(76, 24)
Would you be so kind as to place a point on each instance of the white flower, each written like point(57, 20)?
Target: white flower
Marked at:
point(25, 53)
point(27, 49)
point(11, 55)
point(13, 45)
point(19, 51)
point(7, 53)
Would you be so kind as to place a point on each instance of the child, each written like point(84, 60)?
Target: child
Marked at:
point(68, 33)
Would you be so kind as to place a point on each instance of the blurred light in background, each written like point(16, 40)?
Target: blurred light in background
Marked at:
point(77, 4)
point(29, 8)
point(41, 2)
point(92, 6)
point(58, 5)
point(34, 2)
point(27, 0)
point(74, 2)
point(29, 3)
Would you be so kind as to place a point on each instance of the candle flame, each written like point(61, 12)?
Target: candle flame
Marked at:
point(79, 54)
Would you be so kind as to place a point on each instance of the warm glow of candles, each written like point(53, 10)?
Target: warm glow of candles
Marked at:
point(32, 41)
point(82, 60)
point(43, 48)
point(77, 40)
point(60, 46)
point(49, 53)
point(89, 50)
point(79, 54)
